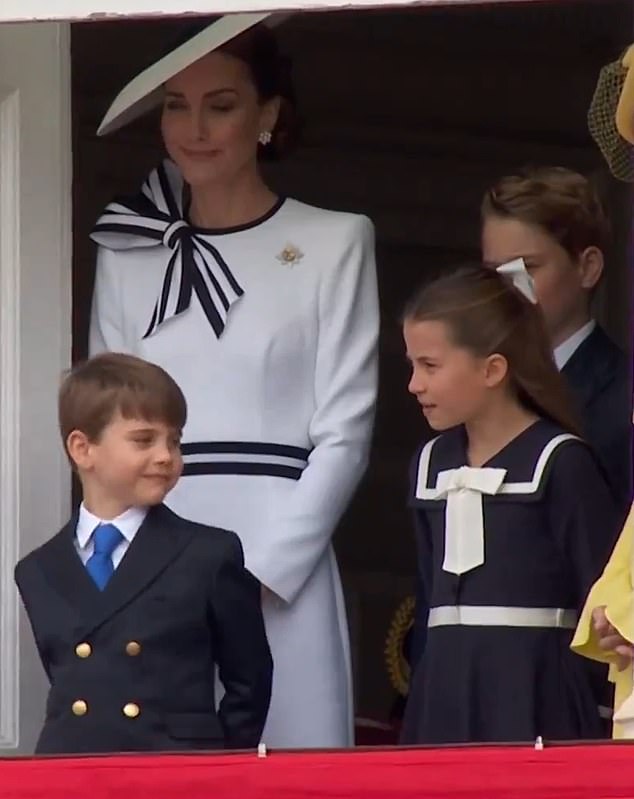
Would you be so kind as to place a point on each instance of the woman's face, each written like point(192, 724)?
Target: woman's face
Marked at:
point(212, 119)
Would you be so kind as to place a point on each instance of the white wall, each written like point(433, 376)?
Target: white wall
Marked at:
point(93, 9)
point(35, 336)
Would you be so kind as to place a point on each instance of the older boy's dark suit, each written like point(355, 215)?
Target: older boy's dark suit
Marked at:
point(132, 667)
point(600, 378)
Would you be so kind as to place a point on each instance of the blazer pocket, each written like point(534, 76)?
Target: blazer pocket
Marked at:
point(194, 726)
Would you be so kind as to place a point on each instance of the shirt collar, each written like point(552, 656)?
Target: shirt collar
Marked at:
point(565, 351)
point(128, 523)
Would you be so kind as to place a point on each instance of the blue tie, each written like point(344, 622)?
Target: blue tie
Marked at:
point(99, 565)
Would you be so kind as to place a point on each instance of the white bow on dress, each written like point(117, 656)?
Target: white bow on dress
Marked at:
point(463, 489)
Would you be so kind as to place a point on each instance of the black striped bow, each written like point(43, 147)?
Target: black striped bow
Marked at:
point(155, 218)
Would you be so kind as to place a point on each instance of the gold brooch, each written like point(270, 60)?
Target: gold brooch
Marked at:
point(290, 255)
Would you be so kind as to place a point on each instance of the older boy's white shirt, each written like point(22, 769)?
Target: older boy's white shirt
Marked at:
point(128, 523)
point(565, 351)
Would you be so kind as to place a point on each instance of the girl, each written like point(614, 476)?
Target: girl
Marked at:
point(264, 309)
point(513, 519)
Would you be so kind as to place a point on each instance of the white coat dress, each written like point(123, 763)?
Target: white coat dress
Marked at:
point(271, 331)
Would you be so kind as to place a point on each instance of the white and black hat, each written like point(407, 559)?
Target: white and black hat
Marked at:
point(144, 92)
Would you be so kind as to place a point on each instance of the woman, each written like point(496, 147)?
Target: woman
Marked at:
point(264, 310)
point(605, 632)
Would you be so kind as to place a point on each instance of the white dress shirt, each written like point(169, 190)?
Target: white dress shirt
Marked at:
point(128, 523)
point(565, 351)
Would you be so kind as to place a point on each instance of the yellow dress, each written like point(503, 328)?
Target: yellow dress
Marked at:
point(614, 590)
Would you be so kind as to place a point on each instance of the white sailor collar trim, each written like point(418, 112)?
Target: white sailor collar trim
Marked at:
point(463, 490)
point(425, 492)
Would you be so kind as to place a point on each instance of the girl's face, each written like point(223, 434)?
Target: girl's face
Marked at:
point(212, 119)
point(450, 383)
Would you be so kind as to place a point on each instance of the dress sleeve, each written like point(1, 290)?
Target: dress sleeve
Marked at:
point(106, 318)
point(345, 387)
point(584, 516)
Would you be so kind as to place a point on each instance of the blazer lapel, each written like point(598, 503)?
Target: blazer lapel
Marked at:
point(66, 572)
point(159, 540)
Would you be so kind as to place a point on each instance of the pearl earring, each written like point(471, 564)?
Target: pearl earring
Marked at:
point(265, 137)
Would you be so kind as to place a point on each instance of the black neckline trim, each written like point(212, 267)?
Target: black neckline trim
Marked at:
point(223, 231)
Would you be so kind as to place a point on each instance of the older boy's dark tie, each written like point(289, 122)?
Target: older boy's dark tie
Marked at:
point(99, 566)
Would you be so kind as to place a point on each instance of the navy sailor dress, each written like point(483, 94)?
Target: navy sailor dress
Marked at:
point(507, 554)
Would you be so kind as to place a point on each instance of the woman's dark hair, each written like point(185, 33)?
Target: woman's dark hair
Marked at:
point(271, 74)
point(486, 314)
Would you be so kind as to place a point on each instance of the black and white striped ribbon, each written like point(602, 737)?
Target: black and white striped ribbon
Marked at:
point(155, 218)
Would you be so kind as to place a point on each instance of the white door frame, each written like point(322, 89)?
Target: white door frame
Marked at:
point(35, 336)
point(92, 10)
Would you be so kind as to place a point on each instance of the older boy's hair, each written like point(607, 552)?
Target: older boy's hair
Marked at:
point(98, 389)
point(561, 202)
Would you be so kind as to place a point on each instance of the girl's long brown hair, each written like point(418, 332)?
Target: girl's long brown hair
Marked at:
point(485, 315)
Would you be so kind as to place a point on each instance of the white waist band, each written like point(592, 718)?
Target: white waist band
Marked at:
point(492, 616)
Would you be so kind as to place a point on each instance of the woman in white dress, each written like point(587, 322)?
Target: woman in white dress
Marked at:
point(264, 310)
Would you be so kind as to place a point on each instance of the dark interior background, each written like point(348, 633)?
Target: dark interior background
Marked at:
point(409, 115)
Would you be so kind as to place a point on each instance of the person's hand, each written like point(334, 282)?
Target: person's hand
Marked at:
point(611, 640)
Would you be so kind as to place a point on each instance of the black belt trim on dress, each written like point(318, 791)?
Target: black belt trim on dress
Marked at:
point(244, 458)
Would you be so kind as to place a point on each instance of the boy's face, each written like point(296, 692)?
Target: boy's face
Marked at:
point(562, 285)
point(134, 462)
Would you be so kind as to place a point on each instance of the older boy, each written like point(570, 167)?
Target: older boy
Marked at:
point(133, 607)
point(552, 218)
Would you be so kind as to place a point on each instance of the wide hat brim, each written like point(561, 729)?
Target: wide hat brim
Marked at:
point(625, 107)
point(144, 92)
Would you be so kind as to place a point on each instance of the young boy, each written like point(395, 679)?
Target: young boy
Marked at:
point(132, 607)
point(552, 218)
